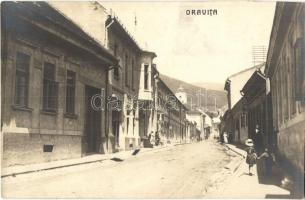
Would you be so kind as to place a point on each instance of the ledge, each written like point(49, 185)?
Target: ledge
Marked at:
point(45, 112)
point(71, 115)
point(21, 108)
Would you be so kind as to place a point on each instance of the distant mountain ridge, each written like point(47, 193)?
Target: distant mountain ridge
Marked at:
point(210, 85)
point(193, 92)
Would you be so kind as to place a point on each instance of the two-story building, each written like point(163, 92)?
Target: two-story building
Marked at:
point(125, 83)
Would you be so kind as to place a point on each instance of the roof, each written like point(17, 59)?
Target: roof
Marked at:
point(238, 107)
point(228, 81)
point(161, 81)
point(245, 70)
point(153, 54)
point(114, 22)
point(43, 11)
point(256, 79)
point(283, 15)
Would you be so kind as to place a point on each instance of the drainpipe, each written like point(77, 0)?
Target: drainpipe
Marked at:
point(106, 32)
point(106, 43)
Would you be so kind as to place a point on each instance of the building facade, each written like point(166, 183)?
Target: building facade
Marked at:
point(191, 131)
point(199, 119)
point(235, 118)
point(171, 114)
point(286, 71)
point(48, 85)
point(255, 105)
point(124, 86)
point(147, 98)
point(72, 88)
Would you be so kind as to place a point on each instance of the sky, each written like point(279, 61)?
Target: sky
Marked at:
point(198, 48)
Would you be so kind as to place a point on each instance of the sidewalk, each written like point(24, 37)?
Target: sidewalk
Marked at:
point(23, 169)
point(241, 185)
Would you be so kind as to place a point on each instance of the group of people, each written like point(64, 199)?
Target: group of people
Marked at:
point(154, 139)
point(255, 151)
point(252, 157)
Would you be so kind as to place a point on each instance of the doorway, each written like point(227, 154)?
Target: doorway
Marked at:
point(92, 120)
point(116, 127)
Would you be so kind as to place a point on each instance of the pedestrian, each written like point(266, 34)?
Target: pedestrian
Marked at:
point(157, 138)
point(258, 141)
point(225, 137)
point(268, 159)
point(251, 155)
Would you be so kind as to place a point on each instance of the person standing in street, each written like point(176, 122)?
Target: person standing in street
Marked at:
point(251, 155)
point(258, 139)
point(225, 138)
point(268, 159)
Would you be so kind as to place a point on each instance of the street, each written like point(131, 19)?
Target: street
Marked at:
point(182, 171)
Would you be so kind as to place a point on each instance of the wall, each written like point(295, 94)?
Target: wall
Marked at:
point(25, 131)
point(126, 86)
point(90, 16)
point(288, 112)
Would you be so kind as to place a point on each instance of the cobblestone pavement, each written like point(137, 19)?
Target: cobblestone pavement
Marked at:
point(184, 171)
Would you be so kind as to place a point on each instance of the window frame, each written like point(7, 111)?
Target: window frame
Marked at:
point(52, 80)
point(116, 72)
point(126, 58)
point(146, 76)
point(73, 96)
point(25, 74)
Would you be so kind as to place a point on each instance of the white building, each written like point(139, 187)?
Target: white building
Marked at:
point(181, 95)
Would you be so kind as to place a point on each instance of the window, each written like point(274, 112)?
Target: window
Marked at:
point(22, 79)
point(50, 88)
point(145, 77)
point(70, 92)
point(116, 69)
point(300, 69)
point(126, 71)
point(243, 120)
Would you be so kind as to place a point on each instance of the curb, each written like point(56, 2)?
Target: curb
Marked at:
point(50, 168)
point(234, 169)
point(234, 150)
point(27, 171)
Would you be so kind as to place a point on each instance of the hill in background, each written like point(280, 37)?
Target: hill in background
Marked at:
point(207, 93)
point(210, 86)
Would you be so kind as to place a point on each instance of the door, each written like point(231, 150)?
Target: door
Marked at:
point(92, 120)
point(116, 126)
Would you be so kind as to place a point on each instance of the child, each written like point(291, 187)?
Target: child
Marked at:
point(251, 155)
